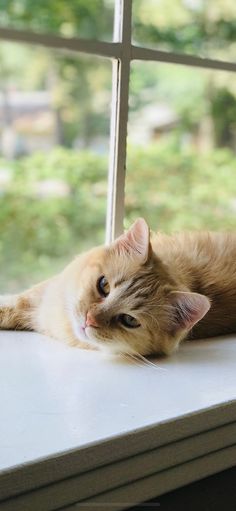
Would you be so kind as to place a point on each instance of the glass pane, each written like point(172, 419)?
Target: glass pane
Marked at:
point(181, 148)
point(203, 28)
point(80, 18)
point(54, 138)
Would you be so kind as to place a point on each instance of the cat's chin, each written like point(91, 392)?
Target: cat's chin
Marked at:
point(106, 346)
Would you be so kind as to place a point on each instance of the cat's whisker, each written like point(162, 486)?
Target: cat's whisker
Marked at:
point(138, 357)
point(151, 364)
point(133, 357)
point(129, 356)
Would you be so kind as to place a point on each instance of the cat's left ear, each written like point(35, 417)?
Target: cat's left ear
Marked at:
point(188, 309)
point(136, 241)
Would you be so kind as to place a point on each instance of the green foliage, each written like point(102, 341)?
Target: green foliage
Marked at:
point(202, 28)
point(38, 229)
point(178, 189)
point(173, 189)
point(223, 111)
point(77, 17)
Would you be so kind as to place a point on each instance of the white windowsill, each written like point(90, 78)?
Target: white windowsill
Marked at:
point(68, 413)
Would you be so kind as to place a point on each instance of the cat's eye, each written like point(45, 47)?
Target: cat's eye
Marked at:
point(128, 321)
point(103, 286)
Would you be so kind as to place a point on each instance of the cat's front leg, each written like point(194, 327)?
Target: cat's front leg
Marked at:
point(15, 313)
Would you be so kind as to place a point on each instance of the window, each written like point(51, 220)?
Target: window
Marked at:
point(175, 95)
point(73, 430)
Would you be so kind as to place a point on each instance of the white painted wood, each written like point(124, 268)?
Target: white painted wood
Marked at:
point(119, 120)
point(125, 472)
point(47, 387)
point(65, 411)
point(151, 487)
point(147, 446)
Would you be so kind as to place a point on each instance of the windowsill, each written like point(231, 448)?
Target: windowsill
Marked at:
point(68, 413)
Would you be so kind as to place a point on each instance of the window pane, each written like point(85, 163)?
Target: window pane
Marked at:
point(203, 28)
point(82, 18)
point(181, 148)
point(54, 137)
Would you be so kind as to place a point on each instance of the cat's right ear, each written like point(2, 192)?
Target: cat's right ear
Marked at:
point(136, 241)
point(188, 309)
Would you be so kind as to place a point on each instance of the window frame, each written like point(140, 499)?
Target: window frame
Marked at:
point(122, 52)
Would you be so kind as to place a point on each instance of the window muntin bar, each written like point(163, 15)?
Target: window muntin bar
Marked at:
point(111, 50)
point(147, 54)
point(75, 44)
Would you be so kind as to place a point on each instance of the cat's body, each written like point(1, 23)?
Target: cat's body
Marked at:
point(136, 297)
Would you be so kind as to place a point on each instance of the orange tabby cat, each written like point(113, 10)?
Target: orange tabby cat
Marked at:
point(135, 296)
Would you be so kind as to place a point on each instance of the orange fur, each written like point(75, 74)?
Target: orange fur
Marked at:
point(173, 287)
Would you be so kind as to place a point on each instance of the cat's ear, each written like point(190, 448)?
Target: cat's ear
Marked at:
point(189, 308)
point(136, 241)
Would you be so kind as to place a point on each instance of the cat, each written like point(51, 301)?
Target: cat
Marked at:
point(138, 296)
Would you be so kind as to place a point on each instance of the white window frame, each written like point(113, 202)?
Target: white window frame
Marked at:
point(122, 52)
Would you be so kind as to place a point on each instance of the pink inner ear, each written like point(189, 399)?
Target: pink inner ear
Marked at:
point(136, 240)
point(189, 308)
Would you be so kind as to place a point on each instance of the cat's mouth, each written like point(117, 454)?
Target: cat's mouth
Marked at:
point(82, 333)
point(86, 334)
point(93, 336)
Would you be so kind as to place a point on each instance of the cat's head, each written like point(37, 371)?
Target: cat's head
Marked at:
point(123, 298)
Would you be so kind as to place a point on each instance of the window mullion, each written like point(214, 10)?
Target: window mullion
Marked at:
point(119, 119)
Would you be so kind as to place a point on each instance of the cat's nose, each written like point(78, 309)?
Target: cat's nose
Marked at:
point(90, 320)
